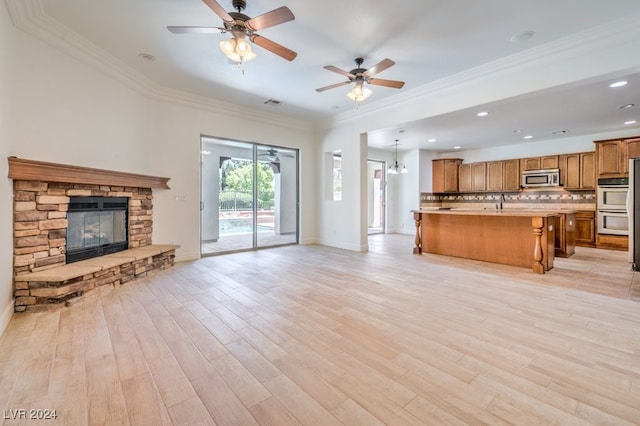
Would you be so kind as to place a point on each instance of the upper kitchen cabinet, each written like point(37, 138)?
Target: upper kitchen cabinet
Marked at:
point(632, 151)
point(472, 177)
point(479, 176)
point(577, 171)
point(464, 178)
point(549, 162)
point(511, 178)
point(530, 164)
point(612, 156)
point(495, 174)
point(445, 174)
point(537, 163)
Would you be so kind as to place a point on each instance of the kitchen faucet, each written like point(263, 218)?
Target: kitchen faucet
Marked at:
point(501, 200)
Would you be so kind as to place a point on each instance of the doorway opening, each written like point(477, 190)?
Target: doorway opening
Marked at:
point(376, 183)
point(249, 196)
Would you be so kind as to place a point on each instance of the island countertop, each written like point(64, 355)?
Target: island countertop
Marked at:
point(494, 212)
point(509, 236)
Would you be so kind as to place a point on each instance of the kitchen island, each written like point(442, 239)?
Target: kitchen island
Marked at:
point(511, 237)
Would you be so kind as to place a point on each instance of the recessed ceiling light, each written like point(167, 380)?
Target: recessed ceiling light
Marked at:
point(618, 84)
point(401, 131)
point(627, 106)
point(456, 147)
point(431, 140)
point(559, 132)
point(517, 131)
point(526, 35)
point(528, 137)
point(630, 122)
point(147, 57)
point(482, 114)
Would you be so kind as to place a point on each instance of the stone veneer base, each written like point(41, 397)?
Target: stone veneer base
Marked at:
point(39, 295)
point(40, 230)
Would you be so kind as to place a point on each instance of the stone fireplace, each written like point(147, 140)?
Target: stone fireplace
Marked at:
point(47, 198)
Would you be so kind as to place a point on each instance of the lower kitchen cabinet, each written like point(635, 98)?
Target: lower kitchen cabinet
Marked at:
point(612, 242)
point(585, 225)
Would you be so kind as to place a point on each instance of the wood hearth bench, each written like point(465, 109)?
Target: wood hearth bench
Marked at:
point(65, 285)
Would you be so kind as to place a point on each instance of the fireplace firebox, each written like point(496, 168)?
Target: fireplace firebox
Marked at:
point(96, 226)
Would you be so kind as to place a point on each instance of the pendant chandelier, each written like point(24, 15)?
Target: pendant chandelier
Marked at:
point(395, 168)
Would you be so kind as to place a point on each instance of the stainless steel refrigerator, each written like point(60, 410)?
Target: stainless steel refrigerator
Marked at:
point(633, 209)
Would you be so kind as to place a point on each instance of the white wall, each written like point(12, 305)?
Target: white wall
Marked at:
point(343, 223)
point(7, 58)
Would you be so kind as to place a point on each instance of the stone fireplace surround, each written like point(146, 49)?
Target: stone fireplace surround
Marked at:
point(42, 279)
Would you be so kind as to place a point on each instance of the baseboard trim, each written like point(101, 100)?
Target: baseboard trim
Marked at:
point(350, 247)
point(186, 257)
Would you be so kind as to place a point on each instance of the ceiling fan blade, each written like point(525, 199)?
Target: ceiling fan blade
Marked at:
point(269, 19)
point(379, 67)
point(339, 71)
point(333, 86)
point(274, 47)
point(195, 30)
point(219, 10)
point(387, 83)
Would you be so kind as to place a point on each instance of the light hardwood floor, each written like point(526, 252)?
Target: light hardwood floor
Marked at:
point(318, 336)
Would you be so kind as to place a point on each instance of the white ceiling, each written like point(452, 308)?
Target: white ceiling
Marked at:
point(428, 39)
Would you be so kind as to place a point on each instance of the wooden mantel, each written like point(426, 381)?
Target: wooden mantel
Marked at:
point(21, 169)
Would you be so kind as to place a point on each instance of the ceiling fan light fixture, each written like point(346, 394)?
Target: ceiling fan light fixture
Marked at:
point(359, 93)
point(237, 49)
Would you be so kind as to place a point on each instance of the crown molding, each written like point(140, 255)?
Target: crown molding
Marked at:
point(594, 40)
point(30, 17)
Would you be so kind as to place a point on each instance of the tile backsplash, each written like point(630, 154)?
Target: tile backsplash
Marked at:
point(527, 199)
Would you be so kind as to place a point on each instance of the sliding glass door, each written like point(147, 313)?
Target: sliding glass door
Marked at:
point(249, 196)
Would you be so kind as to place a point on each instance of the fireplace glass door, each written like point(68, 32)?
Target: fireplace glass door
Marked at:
point(96, 226)
point(249, 196)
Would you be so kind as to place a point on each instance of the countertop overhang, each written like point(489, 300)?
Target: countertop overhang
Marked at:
point(493, 212)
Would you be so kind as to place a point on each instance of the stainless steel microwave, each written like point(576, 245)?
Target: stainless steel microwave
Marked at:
point(543, 177)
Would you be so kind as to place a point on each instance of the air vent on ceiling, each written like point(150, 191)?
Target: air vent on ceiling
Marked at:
point(273, 102)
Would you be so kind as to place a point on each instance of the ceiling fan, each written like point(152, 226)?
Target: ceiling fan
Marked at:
point(272, 155)
point(360, 76)
point(241, 27)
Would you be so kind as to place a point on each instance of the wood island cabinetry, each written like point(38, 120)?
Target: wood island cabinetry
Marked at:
point(565, 234)
point(519, 238)
point(445, 175)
